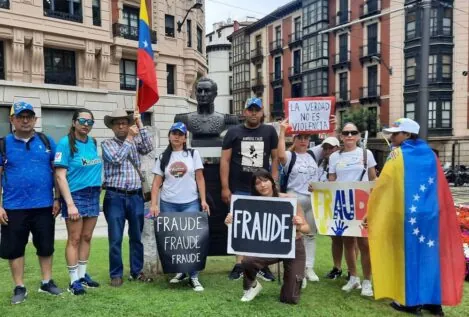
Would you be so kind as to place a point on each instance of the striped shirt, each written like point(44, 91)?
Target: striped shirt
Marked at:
point(118, 171)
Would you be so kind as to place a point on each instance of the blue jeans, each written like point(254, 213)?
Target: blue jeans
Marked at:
point(117, 208)
point(193, 206)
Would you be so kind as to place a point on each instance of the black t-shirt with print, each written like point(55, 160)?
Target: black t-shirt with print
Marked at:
point(251, 149)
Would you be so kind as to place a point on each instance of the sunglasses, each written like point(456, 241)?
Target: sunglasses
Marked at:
point(88, 122)
point(350, 133)
point(396, 133)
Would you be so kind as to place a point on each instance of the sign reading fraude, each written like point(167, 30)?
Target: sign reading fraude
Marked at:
point(310, 114)
point(182, 241)
point(262, 227)
point(339, 207)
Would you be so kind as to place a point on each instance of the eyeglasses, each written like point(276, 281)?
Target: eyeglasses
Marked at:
point(350, 133)
point(88, 122)
point(26, 117)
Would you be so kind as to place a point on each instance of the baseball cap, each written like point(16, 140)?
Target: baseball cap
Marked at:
point(403, 125)
point(178, 126)
point(21, 106)
point(331, 141)
point(253, 102)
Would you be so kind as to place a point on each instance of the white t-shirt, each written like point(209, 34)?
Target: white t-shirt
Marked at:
point(348, 166)
point(179, 185)
point(304, 171)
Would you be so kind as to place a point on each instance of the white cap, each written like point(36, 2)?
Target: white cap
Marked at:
point(331, 140)
point(403, 125)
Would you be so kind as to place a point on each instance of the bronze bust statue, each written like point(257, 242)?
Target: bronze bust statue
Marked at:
point(206, 124)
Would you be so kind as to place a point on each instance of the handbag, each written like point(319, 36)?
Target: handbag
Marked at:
point(146, 189)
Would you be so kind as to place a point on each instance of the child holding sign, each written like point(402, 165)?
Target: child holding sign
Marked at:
point(263, 184)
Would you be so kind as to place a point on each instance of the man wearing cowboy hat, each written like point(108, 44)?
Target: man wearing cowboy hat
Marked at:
point(123, 199)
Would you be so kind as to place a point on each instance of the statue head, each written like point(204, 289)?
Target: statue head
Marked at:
point(206, 91)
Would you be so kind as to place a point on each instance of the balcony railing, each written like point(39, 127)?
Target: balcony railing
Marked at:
point(130, 32)
point(294, 72)
point(60, 77)
point(342, 98)
point(276, 46)
point(295, 38)
point(370, 94)
point(257, 85)
point(128, 82)
point(370, 50)
point(4, 4)
point(76, 17)
point(342, 17)
point(369, 8)
point(276, 78)
point(341, 60)
point(257, 54)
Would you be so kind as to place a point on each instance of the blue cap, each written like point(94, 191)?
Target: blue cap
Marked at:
point(179, 126)
point(21, 106)
point(253, 102)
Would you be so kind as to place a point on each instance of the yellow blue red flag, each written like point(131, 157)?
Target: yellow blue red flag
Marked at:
point(415, 241)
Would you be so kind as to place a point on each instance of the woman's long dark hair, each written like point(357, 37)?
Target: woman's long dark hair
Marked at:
point(166, 155)
point(262, 174)
point(71, 132)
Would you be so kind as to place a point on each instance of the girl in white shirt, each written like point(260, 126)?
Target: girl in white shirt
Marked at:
point(347, 165)
point(179, 176)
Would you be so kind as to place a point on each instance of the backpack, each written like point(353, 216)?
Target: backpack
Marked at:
point(285, 174)
point(42, 137)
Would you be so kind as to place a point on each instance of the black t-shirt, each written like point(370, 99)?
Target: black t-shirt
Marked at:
point(251, 149)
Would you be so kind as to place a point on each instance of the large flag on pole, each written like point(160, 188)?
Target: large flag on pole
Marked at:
point(147, 90)
point(415, 241)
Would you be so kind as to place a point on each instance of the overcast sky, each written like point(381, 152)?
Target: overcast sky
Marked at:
point(218, 10)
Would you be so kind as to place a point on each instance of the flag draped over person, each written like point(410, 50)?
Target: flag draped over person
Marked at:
point(147, 90)
point(414, 237)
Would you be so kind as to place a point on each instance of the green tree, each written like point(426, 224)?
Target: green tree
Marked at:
point(364, 118)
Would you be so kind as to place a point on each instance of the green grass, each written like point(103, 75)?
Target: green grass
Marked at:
point(220, 298)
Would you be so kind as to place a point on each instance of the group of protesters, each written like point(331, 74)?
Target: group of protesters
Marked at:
point(252, 154)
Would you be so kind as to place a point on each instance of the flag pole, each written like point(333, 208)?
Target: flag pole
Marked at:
point(137, 109)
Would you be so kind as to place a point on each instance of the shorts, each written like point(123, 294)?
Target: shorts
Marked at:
point(14, 236)
point(86, 200)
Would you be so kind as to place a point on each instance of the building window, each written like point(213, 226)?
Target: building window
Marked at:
point(313, 13)
point(59, 67)
point(433, 21)
point(409, 110)
point(277, 67)
point(372, 30)
point(231, 110)
point(219, 34)
point(128, 74)
point(447, 21)
point(130, 29)
point(65, 10)
point(296, 90)
point(96, 9)
point(315, 48)
point(5, 125)
point(278, 104)
point(199, 39)
point(439, 114)
point(55, 122)
point(145, 117)
point(169, 25)
point(4, 4)
point(2, 61)
point(411, 25)
point(210, 38)
point(230, 60)
point(446, 66)
point(343, 47)
point(189, 33)
point(170, 79)
point(315, 83)
point(297, 26)
point(373, 80)
point(343, 86)
point(230, 84)
point(432, 66)
point(278, 33)
point(410, 69)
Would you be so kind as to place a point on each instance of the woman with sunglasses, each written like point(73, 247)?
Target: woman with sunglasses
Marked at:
point(78, 172)
point(263, 184)
point(180, 179)
point(348, 165)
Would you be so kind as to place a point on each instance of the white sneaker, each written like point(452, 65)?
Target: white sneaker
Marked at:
point(304, 283)
point(367, 288)
point(353, 283)
point(311, 275)
point(251, 293)
point(178, 278)
point(196, 286)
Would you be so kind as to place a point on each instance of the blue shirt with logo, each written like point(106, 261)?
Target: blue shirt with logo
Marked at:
point(28, 176)
point(84, 167)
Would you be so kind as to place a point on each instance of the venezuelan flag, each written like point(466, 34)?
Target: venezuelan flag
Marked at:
point(148, 86)
point(414, 237)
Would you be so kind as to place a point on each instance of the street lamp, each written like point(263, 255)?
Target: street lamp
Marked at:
point(379, 60)
point(197, 5)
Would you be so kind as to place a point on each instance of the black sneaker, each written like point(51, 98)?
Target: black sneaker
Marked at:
point(266, 274)
point(76, 288)
point(50, 288)
point(237, 272)
point(435, 310)
point(334, 273)
point(88, 282)
point(19, 295)
point(414, 310)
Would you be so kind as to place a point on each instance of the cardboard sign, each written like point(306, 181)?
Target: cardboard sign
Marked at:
point(262, 227)
point(310, 114)
point(339, 207)
point(182, 241)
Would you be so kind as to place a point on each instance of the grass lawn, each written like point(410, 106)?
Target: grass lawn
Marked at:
point(220, 298)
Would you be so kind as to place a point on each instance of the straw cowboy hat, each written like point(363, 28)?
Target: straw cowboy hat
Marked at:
point(118, 114)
